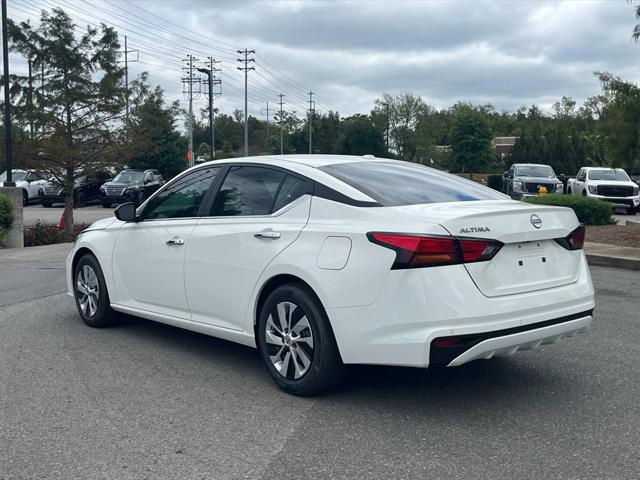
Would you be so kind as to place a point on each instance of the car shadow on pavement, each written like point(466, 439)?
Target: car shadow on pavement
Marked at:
point(518, 379)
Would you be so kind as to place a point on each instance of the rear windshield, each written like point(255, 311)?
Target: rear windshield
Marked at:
point(608, 175)
point(541, 171)
point(394, 184)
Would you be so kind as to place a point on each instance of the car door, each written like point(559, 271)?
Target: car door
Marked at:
point(148, 258)
point(581, 181)
point(257, 212)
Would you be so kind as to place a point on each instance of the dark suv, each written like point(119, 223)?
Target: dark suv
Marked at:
point(130, 186)
point(86, 189)
point(527, 179)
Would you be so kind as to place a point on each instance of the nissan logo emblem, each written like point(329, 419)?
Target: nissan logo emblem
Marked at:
point(535, 220)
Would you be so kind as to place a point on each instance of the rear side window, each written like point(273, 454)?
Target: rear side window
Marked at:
point(394, 184)
point(248, 190)
point(183, 197)
point(291, 189)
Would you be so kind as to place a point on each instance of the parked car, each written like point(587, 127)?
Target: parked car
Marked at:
point(323, 260)
point(527, 179)
point(130, 186)
point(86, 189)
point(28, 180)
point(610, 184)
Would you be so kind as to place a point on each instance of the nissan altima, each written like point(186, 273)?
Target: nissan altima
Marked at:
point(321, 261)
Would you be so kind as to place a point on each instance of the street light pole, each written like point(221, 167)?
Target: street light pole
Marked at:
point(7, 101)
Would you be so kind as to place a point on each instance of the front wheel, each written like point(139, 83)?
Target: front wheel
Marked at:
point(632, 210)
point(106, 205)
point(25, 198)
point(81, 200)
point(90, 293)
point(296, 342)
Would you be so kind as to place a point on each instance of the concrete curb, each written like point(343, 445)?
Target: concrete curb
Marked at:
point(603, 255)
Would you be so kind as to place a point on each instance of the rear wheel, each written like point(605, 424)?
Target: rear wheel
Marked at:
point(106, 205)
point(296, 342)
point(25, 198)
point(90, 292)
point(46, 204)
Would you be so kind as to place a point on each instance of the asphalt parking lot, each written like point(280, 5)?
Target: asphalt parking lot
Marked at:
point(144, 400)
point(88, 214)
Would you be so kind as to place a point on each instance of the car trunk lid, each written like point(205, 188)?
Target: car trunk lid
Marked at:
point(530, 258)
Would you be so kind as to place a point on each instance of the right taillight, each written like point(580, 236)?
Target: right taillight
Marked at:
point(573, 241)
point(417, 251)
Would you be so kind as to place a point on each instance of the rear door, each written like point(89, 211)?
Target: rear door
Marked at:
point(257, 212)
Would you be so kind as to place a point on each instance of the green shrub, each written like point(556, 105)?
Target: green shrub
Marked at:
point(589, 211)
point(6, 217)
point(46, 234)
point(495, 182)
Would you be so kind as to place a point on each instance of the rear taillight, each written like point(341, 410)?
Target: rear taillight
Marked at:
point(416, 251)
point(575, 240)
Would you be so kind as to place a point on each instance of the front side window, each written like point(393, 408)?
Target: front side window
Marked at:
point(182, 198)
point(248, 190)
point(609, 174)
point(394, 184)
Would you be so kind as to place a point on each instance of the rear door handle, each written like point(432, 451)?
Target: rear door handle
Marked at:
point(175, 241)
point(268, 233)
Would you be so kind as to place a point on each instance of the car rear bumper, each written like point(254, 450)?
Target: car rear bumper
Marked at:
point(414, 307)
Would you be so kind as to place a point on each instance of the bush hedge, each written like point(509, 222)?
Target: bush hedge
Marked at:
point(589, 211)
point(46, 234)
point(6, 216)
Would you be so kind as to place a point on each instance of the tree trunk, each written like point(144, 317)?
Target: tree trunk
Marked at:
point(67, 215)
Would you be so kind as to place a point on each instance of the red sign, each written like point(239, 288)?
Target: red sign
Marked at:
point(189, 155)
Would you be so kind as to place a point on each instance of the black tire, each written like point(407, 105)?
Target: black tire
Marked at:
point(325, 370)
point(103, 315)
point(25, 198)
point(569, 192)
point(46, 205)
point(632, 210)
point(106, 205)
point(81, 200)
point(584, 193)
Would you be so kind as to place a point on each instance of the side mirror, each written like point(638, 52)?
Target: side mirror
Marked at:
point(126, 212)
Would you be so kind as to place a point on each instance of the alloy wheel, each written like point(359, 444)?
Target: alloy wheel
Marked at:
point(289, 340)
point(88, 290)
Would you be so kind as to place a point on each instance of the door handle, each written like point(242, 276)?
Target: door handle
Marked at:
point(267, 234)
point(175, 241)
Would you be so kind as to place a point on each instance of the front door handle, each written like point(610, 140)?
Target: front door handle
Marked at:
point(268, 233)
point(175, 241)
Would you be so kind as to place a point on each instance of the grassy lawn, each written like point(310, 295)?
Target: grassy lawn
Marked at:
point(620, 235)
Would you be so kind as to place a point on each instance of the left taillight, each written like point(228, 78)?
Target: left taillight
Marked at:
point(418, 251)
point(573, 241)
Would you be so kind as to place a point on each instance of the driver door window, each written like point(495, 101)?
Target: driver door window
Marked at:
point(182, 198)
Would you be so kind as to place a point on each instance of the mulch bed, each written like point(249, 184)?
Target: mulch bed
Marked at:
point(619, 235)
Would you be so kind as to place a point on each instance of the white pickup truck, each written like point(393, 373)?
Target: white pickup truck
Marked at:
point(610, 184)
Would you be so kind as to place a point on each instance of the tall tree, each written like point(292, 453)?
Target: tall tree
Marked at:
point(360, 137)
point(470, 139)
point(153, 140)
point(81, 102)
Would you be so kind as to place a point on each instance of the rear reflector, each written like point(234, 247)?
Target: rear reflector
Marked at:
point(415, 251)
point(575, 240)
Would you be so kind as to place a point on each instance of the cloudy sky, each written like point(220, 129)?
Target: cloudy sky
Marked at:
point(507, 53)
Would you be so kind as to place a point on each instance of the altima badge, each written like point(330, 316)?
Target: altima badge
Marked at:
point(535, 220)
point(474, 229)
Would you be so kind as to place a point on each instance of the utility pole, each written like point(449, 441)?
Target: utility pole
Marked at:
point(30, 99)
point(188, 82)
point(212, 80)
point(267, 113)
point(246, 69)
point(387, 129)
point(310, 102)
point(7, 99)
point(281, 103)
point(126, 76)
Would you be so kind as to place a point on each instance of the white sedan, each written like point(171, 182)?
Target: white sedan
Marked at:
point(321, 261)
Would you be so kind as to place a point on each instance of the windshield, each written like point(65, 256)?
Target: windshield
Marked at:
point(129, 176)
point(608, 174)
point(16, 177)
point(404, 183)
point(541, 171)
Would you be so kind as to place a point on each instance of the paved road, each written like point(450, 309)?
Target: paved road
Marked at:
point(144, 400)
point(89, 214)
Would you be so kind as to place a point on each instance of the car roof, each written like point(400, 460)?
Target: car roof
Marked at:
point(531, 165)
point(309, 166)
